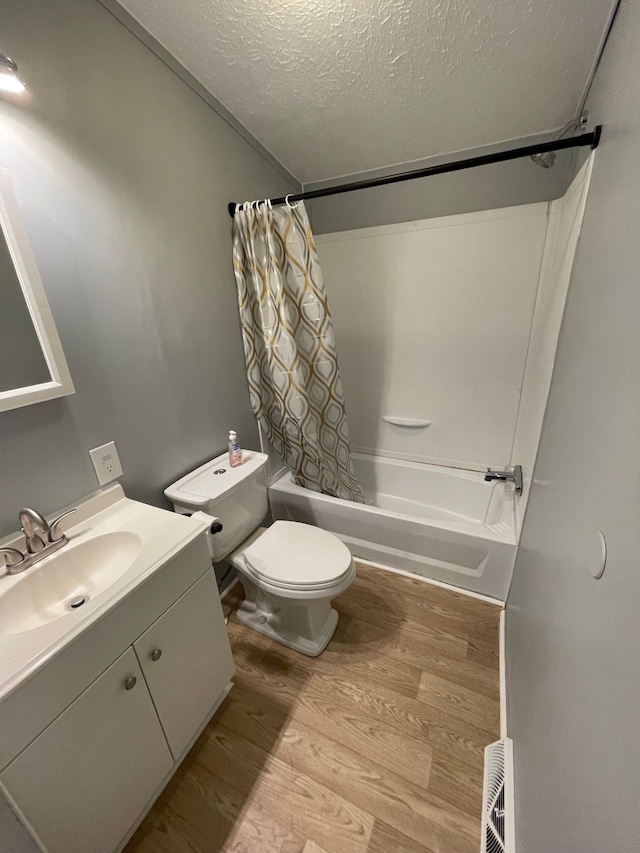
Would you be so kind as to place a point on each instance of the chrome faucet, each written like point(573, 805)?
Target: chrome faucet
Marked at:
point(41, 538)
point(512, 475)
point(30, 519)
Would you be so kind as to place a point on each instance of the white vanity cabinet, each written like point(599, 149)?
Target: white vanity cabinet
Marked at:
point(186, 661)
point(82, 783)
point(89, 742)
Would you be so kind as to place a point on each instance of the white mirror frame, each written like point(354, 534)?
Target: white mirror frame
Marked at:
point(36, 299)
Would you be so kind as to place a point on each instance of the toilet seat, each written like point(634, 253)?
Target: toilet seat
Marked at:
point(294, 588)
point(290, 555)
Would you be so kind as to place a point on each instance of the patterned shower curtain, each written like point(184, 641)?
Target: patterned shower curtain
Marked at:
point(289, 346)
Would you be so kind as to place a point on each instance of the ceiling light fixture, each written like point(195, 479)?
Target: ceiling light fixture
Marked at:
point(9, 80)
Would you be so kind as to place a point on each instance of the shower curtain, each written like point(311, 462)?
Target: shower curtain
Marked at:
point(289, 346)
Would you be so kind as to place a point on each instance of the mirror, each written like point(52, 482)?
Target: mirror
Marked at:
point(32, 364)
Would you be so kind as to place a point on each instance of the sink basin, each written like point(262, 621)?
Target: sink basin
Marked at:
point(64, 582)
point(115, 545)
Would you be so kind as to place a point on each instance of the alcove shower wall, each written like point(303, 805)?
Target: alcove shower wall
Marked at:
point(452, 321)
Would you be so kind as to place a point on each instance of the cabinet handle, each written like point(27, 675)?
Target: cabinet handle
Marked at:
point(130, 683)
point(156, 654)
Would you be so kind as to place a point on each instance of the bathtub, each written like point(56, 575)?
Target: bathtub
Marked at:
point(445, 524)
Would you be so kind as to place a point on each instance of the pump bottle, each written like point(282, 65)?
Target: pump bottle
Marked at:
point(235, 451)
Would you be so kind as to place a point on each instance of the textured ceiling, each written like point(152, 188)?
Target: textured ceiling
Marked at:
point(333, 87)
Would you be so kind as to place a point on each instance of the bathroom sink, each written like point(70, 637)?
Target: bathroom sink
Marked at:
point(64, 582)
point(115, 545)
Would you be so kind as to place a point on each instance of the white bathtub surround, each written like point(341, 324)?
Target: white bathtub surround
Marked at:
point(440, 523)
point(432, 322)
point(563, 232)
point(447, 330)
point(292, 367)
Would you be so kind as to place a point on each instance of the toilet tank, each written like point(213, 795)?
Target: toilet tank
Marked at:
point(236, 498)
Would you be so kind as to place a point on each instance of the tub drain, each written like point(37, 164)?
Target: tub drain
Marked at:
point(78, 602)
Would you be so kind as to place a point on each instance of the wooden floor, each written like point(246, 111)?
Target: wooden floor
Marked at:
point(374, 747)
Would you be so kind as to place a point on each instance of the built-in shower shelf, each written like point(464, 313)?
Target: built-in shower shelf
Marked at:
point(410, 423)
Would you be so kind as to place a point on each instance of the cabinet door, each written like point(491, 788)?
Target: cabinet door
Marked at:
point(84, 780)
point(186, 660)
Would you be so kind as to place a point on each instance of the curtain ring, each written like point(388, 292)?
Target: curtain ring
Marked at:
point(237, 209)
point(288, 203)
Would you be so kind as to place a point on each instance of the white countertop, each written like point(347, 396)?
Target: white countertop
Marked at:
point(162, 533)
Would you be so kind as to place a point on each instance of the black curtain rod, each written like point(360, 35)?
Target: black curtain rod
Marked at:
point(592, 139)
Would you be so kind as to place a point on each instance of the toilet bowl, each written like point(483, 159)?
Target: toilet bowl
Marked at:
point(290, 571)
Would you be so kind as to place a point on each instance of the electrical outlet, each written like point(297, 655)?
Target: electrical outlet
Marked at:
point(106, 463)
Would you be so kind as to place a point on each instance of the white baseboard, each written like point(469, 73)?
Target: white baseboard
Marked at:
point(478, 595)
point(503, 676)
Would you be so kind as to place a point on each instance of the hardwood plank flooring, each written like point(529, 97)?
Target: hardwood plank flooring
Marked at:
point(310, 847)
point(374, 747)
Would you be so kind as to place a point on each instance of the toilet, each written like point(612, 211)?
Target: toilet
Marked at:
point(290, 571)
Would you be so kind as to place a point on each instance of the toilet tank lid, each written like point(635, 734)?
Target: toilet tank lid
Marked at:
point(204, 485)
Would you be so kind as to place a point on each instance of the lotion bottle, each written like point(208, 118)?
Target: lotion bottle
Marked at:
point(235, 451)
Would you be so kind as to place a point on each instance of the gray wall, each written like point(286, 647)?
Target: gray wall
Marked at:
point(484, 188)
point(123, 175)
point(573, 643)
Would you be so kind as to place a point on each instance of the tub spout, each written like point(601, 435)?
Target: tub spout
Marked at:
point(512, 475)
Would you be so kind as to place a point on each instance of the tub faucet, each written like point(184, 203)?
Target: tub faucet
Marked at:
point(513, 475)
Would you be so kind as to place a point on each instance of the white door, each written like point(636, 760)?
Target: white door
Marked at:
point(82, 782)
point(186, 659)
